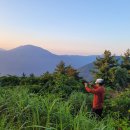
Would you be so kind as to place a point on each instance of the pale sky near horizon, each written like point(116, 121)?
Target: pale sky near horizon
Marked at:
point(80, 27)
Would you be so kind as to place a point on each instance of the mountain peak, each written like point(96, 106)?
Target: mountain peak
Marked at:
point(30, 49)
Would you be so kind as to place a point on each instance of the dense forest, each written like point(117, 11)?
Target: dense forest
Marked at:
point(58, 100)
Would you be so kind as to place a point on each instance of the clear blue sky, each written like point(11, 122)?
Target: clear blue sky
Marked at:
point(66, 26)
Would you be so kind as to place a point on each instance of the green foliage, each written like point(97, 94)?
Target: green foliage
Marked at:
point(114, 73)
point(63, 81)
point(9, 80)
point(121, 103)
point(118, 77)
point(117, 104)
point(103, 65)
point(60, 68)
point(126, 62)
point(80, 102)
point(64, 84)
point(69, 71)
point(20, 109)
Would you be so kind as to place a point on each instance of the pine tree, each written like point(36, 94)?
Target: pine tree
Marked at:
point(71, 72)
point(60, 68)
point(103, 65)
point(119, 77)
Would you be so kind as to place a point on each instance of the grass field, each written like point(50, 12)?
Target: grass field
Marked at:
point(21, 109)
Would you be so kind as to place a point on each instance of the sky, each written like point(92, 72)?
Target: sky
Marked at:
point(81, 27)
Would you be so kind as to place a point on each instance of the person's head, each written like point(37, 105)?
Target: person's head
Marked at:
point(99, 82)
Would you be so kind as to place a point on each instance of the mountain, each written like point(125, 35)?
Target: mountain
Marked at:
point(85, 72)
point(31, 59)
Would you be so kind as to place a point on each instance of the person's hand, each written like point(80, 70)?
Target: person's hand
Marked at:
point(90, 83)
point(86, 84)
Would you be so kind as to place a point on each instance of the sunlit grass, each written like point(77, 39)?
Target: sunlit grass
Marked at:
point(20, 110)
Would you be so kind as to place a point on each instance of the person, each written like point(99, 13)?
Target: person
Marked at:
point(99, 91)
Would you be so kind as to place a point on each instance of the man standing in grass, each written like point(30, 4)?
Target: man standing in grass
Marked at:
point(99, 91)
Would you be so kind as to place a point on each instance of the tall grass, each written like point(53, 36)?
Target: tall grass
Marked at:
point(22, 110)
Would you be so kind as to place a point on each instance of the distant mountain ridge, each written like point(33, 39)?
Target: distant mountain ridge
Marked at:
point(32, 59)
point(85, 72)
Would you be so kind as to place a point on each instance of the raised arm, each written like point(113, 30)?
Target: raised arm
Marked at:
point(94, 91)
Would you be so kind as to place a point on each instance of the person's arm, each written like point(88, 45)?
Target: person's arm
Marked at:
point(94, 91)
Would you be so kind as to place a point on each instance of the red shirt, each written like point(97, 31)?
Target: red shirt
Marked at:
point(98, 99)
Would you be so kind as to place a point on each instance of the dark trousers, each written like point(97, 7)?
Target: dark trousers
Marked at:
point(98, 112)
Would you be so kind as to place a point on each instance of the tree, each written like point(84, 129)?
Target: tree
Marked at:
point(126, 62)
point(9, 80)
point(103, 65)
point(23, 75)
point(60, 68)
point(23, 80)
point(46, 77)
point(32, 79)
point(71, 72)
point(119, 76)
point(32, 75)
